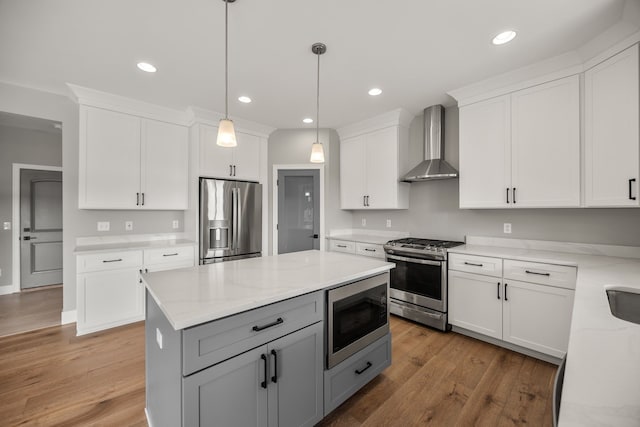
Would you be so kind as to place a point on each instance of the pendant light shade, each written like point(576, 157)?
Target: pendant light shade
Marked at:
point(317, 150)
point(226, 132)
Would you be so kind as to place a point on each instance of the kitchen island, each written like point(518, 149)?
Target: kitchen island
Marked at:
point(243, 342)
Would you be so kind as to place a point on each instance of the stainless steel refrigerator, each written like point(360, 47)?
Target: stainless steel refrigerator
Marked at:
point(230, 220)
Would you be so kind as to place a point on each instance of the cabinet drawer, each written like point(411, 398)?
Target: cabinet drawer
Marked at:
point(211, 343)
point(343, 246)
point(487, 266)
point(563, 276)
point(168, 255)
point(108, 261)
point(368, 249)
point(343, 380)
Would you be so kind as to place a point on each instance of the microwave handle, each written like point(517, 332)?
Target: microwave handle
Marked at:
point(414, 260)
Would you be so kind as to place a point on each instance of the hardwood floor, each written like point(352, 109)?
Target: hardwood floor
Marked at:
point(30, 310)
point(51, 377)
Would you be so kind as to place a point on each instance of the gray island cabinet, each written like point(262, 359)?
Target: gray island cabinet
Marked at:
point(242, 343)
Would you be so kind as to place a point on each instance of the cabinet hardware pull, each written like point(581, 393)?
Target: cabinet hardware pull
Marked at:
point(174, 254)
point(142, 199)
point(367, 200)
point(514, 195)
point(112, 260)
point(539, 274)
point(234, 170)
point(498, 287)
point(630, 196)
point(364, 200)
point(137, 199)
point(359, 371)
point(341, 246)
point(146, 270)
point(230, 170)
point(261, 328)
point(263, 384)
point(369, 250)
point(473, 264)
point(505, 292)
point(140, 271)
point(508, 195)
point(274, 378)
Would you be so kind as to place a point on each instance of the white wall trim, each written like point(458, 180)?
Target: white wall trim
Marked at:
point(69, 316)
point(274, 202)
point(397, 117)
point(15, 230)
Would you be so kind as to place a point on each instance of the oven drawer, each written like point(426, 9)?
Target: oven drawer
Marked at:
point(487, 266)
point(343, 380)
point(211, 343)
point(562, 276)
point(342, 246)
point(369, 249)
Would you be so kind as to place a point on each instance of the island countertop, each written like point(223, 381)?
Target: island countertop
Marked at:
point(191, 296)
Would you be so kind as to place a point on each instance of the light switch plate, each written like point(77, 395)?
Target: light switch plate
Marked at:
point(388, 223)
point(104, 225)
point(507, 228)
point(128, 225)
point(175, 224)
point(364, 222)
point(159, 338)
point(6, 225)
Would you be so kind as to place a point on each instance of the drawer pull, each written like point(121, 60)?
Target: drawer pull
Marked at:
point(341, 246)
point(112, 260)
point(263, 384)
point(473, 264)
point(360, 371)
point(538, 274)
point(270, 325)
point(170, 254)
point(369, 250)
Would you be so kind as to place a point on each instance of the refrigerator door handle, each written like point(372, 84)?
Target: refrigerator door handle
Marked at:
point(238, 218)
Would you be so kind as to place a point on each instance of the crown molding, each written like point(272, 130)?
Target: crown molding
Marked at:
point(397, 117)
point(199, 115)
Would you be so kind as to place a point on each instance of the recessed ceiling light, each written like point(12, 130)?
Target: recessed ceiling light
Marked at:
point(244, 99)
point(307, 120)
point(504, 37)
point(375, 91)
point(145, 66)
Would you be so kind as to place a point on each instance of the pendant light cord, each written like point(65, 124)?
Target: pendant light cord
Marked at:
point(318, 101)
point(226, 59)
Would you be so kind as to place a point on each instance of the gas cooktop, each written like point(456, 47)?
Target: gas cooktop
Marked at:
point(420, 248)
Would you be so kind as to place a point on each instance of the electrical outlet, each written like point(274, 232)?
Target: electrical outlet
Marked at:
point(6, 226)
point(128, 225)
point(104, 225)
point(507, 228)
point(176, 224)
point(159, 338)
point(388, 223)
point(364, 222)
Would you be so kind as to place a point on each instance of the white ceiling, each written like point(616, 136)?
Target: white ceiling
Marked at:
point(415, 50)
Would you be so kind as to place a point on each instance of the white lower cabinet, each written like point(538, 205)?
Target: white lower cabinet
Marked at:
point(110, 291)
point(531, 315)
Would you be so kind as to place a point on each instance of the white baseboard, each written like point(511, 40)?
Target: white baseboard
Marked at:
point(70, 316)
point(146, 413)
point(8, 289)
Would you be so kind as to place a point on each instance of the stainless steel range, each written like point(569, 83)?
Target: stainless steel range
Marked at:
point(418, 284)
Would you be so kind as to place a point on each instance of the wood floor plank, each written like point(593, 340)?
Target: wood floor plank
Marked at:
point(30, 310)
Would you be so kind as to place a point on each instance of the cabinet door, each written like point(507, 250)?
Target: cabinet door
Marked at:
point(109, 298)
point(215, 161)
point(381, 168)
point(352, 173)
point(545, 145)
point(165, 166)
point(228, 394)
point(246, 157)
point(538, 317)
point(295, 395)
point(611, 131)
point(485, 153)
point(475, 303)
point(109, 167)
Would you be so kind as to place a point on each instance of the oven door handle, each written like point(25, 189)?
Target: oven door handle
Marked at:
point(414, 260)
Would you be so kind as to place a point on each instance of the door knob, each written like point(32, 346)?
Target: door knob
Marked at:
point(314, 236)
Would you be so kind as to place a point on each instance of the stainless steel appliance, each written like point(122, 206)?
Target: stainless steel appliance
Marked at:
point(230, 220)
point(419, 281)
point(357, 315)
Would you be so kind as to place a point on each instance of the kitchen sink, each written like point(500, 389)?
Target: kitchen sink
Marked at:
point(624, 303)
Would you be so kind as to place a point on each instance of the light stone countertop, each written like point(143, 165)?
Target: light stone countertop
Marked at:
point(602, 374)
point(191, 296)
point(129, 246)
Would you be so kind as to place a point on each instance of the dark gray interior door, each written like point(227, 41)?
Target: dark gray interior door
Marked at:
point(40, 228)
point(298, 210)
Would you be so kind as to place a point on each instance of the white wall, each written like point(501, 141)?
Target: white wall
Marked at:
point(433, 210)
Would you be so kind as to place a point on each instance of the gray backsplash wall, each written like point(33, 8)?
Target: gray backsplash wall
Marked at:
point(433, 210)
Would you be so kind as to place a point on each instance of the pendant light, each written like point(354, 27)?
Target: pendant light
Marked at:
point(317, 150)
point(226, 132)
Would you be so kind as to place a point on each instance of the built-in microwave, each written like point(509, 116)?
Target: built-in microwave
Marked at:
point(358, 315)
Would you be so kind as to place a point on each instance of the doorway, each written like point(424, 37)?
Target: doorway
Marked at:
point(298, 209)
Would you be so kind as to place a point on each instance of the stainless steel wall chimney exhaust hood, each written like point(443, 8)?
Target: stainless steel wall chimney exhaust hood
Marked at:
point(433, 166)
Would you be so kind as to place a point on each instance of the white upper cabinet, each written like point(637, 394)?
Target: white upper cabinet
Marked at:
point(241, 162)
point(128, 162)
point(522, 150)
point(612, 158)
point(373, 157)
